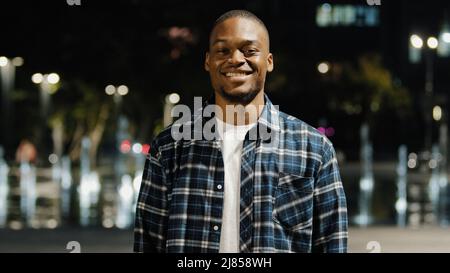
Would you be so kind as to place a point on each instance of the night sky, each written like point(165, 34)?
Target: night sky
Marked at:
point(129, 42)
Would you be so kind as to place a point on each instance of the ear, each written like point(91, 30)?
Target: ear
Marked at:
point(269, 62)
point(207, 61)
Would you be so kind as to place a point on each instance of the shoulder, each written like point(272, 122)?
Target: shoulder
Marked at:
point(302, 134)
point(164, 139)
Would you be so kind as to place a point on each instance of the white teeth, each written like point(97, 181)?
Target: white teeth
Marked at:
point(230, 74)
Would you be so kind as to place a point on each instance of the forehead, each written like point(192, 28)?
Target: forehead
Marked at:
point(239, 29)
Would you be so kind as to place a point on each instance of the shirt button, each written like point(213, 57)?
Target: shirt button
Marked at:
point(216, 228)
point(219, 187)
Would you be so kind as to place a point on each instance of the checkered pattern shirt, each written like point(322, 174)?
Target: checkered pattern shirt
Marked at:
point(291, 196)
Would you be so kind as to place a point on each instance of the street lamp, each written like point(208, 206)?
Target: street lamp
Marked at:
point(446, 37)
point(170, 101)
point(3, 61)
point(437, 113)
point(121, 135)
point(438, 181)
point(323, 67)
point(53, 78)
point(432, 44)
point(122, 90)
point(118, 92)
point(416, 41)
point(7, 75)
point(48, 85)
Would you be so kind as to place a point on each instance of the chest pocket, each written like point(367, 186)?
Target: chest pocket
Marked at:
point(293, 202)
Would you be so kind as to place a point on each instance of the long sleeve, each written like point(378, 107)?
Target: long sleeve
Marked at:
point(330, 209)
point(152, 207)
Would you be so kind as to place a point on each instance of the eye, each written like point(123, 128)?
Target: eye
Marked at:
point(250, 51)
point(222, 51)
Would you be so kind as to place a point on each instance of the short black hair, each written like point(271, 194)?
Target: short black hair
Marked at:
point(241, 14)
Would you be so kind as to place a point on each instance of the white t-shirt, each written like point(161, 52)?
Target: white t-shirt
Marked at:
point(232, 138)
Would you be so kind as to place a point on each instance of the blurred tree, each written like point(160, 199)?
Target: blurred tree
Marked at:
point(83, 110)
point(358, 91)
point(365, 88)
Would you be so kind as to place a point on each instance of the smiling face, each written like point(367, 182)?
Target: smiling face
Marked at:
point(238, 59)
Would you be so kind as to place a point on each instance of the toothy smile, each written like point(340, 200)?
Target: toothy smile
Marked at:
point(236, 74)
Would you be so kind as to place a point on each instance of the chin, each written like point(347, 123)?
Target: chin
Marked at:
point(239, 95)
point(238, 92)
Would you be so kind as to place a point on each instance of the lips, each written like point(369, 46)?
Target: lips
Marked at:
point(237, 75)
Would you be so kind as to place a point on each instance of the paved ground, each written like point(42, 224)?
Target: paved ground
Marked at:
point(56, 240)
point(389, 239)
point(393, 240)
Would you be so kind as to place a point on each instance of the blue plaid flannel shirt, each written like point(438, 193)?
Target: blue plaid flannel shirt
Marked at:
point(292, 198)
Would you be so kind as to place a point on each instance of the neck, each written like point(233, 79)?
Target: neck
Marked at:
point(238, 114)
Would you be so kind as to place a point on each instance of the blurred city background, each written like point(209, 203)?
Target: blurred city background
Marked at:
point(86, 85)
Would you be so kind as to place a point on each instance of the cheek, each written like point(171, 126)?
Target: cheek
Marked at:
point(259, 66)
point(262, 73)
point(216, 71)
point(213, 69)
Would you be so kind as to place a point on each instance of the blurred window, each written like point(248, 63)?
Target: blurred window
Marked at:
point(328, 15)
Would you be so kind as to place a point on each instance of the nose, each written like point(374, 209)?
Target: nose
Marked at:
point(237, 57)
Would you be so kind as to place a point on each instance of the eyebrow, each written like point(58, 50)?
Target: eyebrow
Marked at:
point(246, 42)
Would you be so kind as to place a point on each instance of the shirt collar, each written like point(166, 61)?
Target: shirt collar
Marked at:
point(268, 121)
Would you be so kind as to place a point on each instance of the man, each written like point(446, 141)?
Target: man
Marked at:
point(236, 193)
